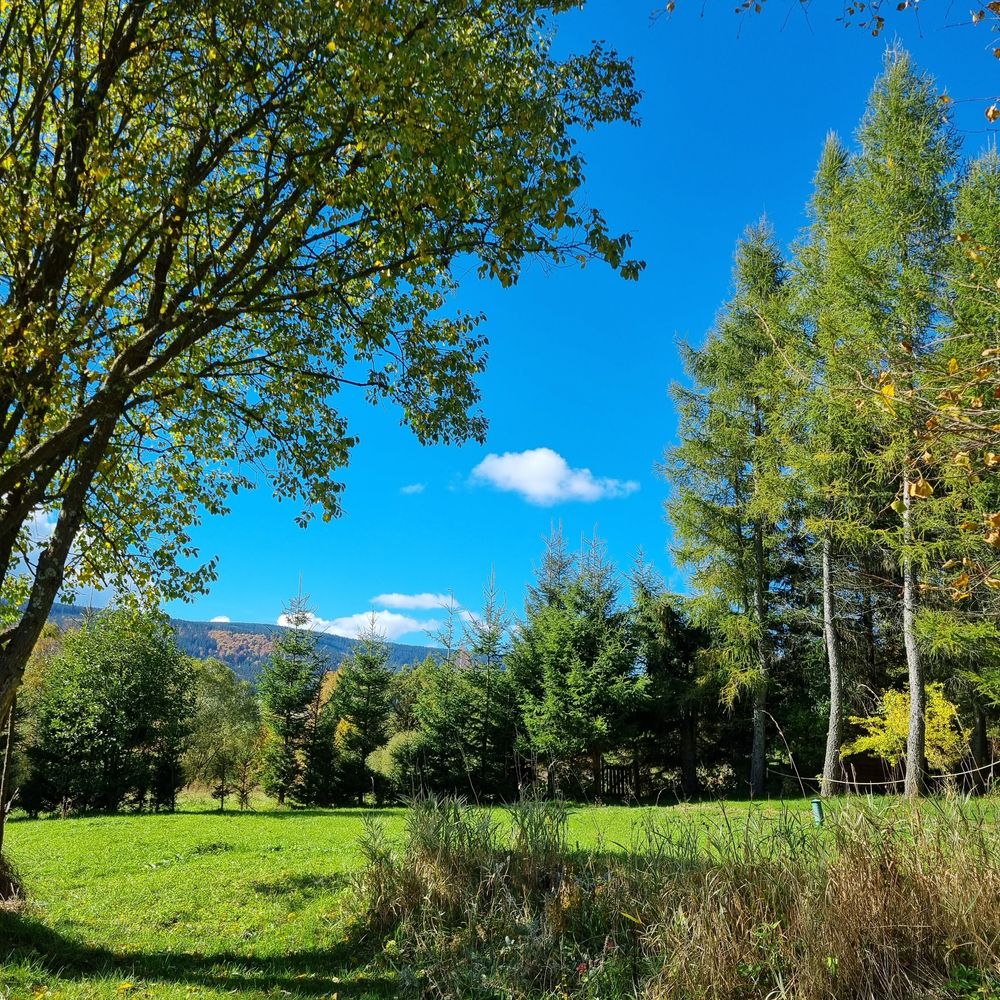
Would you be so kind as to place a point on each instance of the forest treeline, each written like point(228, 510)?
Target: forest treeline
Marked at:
point(834, 488)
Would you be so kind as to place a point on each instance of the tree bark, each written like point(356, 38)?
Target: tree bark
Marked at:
point(758, 755)
point(914, 781)
point(833, 770)
point(5, 775)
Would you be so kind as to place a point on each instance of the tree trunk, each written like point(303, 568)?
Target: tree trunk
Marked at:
point(689, 751)
point(914, 781)
point(833, 770)
point(979, 744)
point(758, 755)
point(51, 565)
point(5, 774)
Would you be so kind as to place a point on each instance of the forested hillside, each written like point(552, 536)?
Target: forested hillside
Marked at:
point(245, 646)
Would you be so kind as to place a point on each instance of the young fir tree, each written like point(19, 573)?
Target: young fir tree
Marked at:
point(289, 684)
point(493, 709)
point(572, 662)
point(361, 703)
point(728, 504)
point(897, 209)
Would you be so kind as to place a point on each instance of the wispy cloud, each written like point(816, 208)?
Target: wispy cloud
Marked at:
point(542, 476)
point(220, 618)
point(390, 624)
point(412, 488)
point(414, 602)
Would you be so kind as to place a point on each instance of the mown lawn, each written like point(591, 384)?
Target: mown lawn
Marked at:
point(198, 904)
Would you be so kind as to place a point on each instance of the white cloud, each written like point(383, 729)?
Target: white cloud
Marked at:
point(414, 602)
point(220, 618)
point(412, 488)
point(41, 524)
point(390, 624)
point(542, 476)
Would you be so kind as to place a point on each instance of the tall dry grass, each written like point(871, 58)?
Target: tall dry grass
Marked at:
point(887, 901)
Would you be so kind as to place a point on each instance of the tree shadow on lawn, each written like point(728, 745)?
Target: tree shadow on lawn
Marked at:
point(309, 973)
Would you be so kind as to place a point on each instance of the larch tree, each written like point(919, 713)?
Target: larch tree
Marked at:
point(898, 210)
point(218, 218)
point(822, 422)
point(728, 493)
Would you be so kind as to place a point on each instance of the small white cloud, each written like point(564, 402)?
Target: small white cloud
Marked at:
point(390, 624)
point(542, 476)
point(41, 524)
point(220, 618)
point(414, 602)
point(412, 488)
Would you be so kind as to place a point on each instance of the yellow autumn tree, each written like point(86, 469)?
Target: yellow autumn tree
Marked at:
point(884, 735)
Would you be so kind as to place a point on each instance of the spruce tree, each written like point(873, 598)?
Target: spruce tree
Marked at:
point(289, 683)
point(361, 703)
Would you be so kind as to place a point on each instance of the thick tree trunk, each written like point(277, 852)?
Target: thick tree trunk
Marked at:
point(758, 754)
point(5, 774)
point(689, 751)
point(833, 770)
point(914, 781)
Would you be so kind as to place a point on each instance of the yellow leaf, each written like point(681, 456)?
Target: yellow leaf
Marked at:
point(921, 488)
point(953, 366)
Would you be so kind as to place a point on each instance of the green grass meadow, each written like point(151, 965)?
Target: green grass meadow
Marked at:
point(198, 903)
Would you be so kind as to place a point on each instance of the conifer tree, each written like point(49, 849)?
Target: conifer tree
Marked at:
point(572, 661)
point(728, 497)
point(898, 211)
point(819, 423)
point(288, 685)
point(361, 703)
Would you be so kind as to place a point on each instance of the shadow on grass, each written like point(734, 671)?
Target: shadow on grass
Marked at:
point(344, 812)
point(310, 973)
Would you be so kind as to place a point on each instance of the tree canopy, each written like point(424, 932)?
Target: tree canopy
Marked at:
point(217, 217)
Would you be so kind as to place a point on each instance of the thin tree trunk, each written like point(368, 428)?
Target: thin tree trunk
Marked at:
point(914, 781)
point(758, 755)
point(689, 751)
point(833, 770)
point(979, 744)
point(8, 754)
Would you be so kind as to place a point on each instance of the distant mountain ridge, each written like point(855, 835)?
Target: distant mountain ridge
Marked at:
point(245, 646)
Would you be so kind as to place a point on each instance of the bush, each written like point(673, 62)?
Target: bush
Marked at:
point(884, 901)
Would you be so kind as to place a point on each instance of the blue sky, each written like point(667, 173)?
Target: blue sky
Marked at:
point(734, 113)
